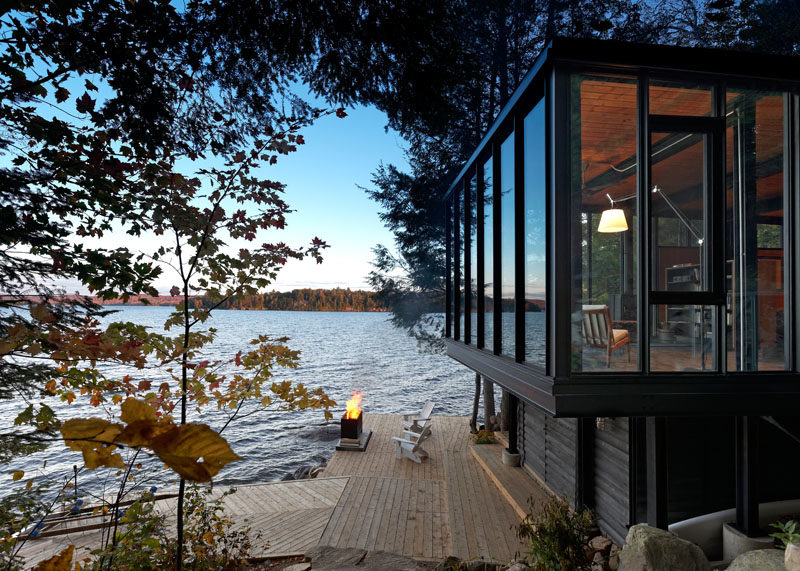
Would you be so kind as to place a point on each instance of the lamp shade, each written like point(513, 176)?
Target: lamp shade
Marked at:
point(612, 220)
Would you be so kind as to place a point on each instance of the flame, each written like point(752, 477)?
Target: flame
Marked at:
point(353, 406)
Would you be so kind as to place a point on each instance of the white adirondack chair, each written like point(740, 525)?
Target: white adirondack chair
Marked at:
point(418, 422)
point(411, 446)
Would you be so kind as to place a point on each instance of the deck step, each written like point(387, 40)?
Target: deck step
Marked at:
point(515, 485)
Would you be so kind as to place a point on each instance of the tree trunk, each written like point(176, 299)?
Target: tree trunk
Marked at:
point(489, 415)
point(473, 422)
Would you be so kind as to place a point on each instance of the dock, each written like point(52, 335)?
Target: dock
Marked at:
point(461, 501)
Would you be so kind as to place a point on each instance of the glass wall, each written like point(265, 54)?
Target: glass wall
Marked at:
point(507, 246)
point(680, 98)
point(755, 203)
point(471, 239)
point(604, 223)
point(457, 266)
point(535, 237)
point(488, 256)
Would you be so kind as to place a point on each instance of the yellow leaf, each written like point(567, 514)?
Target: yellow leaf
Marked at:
point(60, 562)
point(133, 410)
point(29, 484)
point(182, 447)
point(17, 475)
point(143, 432)
point(94, 429)
point(116, 399)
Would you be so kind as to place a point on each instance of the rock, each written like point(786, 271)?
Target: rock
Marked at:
point(613, 557)
point(517, 566)
point(479, 565)
point(652, 549)
point(792, 557)
point(305, 566)
point(600, 543)
point(327, 557)
point(385, 560)
point(759, 560)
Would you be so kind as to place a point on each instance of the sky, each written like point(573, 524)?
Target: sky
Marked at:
point(322, 185)
point(322, 188)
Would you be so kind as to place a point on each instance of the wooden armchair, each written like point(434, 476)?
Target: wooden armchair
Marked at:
point(598, 331)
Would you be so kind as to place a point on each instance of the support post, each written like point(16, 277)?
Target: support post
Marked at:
point(747, 475)
point(657, 492)
point(513, 423)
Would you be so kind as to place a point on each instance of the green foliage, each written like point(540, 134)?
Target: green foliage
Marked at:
point(788, 532)
point(558, 535)
point(337, 299)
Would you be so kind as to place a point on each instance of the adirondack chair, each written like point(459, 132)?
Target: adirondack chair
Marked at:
point(419, 421)
point(411, 446)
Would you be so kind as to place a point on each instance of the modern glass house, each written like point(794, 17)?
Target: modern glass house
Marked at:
point(623, 260)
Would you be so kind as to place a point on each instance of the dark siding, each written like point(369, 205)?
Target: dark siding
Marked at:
point(548, 449)
point(611, 478)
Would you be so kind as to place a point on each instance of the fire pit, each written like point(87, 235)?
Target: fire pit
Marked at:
point(353, 437)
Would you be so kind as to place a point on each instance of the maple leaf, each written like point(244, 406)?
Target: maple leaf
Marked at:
point(174, 291)
point(340, 112)
point(62, 94)
point(84, 104)
point(60, 562)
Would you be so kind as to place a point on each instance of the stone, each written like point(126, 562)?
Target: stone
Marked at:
point(327, 557)
point(734, 542)
point(759, 560)
point(613, 557)
point(385, 560)
point(792, 557)
point(305, 566)
point(517, 566)
point(600, 543)
point(651, 549)
point(479, 565)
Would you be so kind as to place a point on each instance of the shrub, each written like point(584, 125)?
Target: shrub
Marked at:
point(787, 533)
point(557, 534)
point(484, 437)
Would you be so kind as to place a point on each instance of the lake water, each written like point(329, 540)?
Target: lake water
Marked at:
point(340, 352)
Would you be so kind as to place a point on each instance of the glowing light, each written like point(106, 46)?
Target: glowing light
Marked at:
point(354, 406)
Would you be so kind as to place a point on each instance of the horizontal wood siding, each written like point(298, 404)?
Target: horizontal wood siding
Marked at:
point(611, 478)
point(548, 448)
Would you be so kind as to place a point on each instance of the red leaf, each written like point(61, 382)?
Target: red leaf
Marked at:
point(174, 291)
point(186, 82)
point(341, 113)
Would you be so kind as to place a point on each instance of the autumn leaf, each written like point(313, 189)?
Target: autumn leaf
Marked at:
point(62, 95)
point(182, 448)
point(134, 410)
point(94, 438)
point(84, 103)
point(60, 562)
point(17, 475)
point(40, 313)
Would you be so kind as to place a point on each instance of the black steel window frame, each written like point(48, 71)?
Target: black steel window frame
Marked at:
point(448, 249)
point(456, 265)
point(466, 217)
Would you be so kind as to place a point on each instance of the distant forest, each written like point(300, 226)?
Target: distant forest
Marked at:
point(309, 300)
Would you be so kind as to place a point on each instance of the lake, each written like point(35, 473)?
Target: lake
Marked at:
point(340, 352)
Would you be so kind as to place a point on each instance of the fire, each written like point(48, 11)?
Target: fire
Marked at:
point(353, 406)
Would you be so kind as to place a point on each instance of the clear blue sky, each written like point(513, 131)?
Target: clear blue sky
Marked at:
point(322, 180)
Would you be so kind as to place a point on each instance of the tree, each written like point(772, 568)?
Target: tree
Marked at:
point(96, 139)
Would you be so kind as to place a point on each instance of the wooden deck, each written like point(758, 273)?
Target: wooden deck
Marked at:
point(461, 501)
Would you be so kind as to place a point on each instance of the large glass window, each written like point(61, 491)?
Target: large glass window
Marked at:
point(680, 98)
point(472, 188)
point(488, 256)
point(535, 237)
point(450, 267)
point(755, 203)
point(507, 246)
point(460, 208)
point(604, 223)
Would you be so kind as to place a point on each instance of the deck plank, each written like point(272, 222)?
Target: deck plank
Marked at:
point(448, 505)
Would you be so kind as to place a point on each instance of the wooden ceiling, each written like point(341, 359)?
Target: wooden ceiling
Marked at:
point(608, 142)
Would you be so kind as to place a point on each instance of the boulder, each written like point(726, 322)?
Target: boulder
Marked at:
point(651, 549)
point(759, 560)
point(792, 559)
